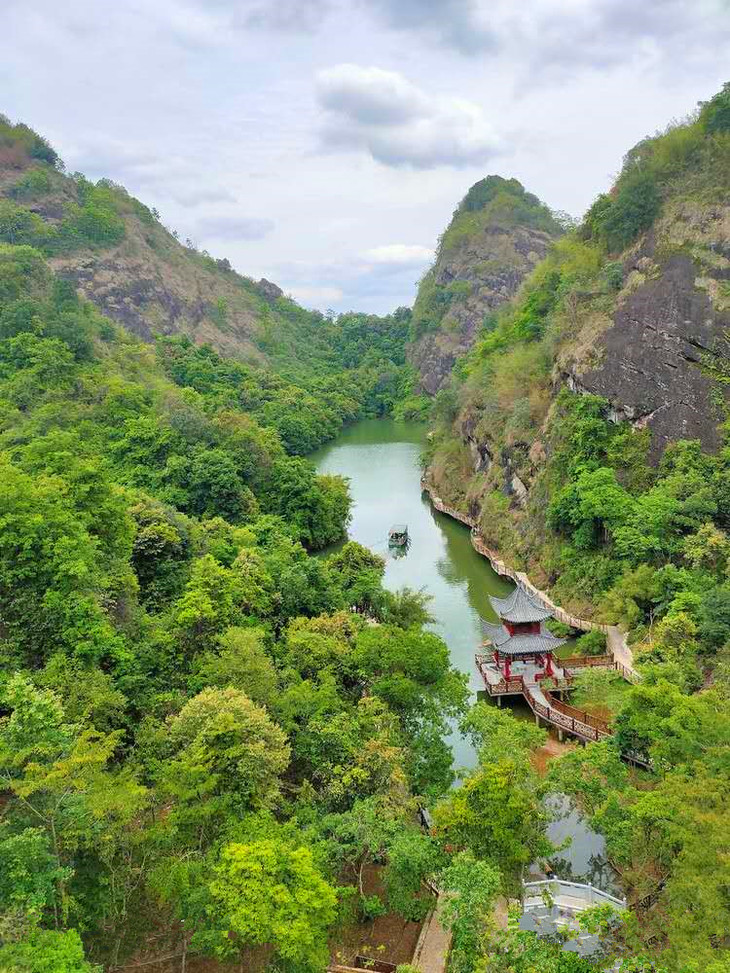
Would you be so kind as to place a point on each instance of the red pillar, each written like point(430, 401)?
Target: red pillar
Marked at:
point(507, 671)
point(549, 664)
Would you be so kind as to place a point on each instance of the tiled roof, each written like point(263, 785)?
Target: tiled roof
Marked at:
point(496, 634)
point(513, 645)
point(520, 606)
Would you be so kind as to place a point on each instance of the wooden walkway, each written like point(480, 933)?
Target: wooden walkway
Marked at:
point(617, 645)
point(543, 703)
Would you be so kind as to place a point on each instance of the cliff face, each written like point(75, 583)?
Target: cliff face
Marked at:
point(496, 237)
point(657, 361)
point(614, 348)
point(120, 257)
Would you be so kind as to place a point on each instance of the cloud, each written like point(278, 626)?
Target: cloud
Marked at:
point(197, 195)
point(398, 124)
point(315, 296)
point(562, 36)
point(462, 24)
point(400, 254)
point(231, 227)
point(289, 16)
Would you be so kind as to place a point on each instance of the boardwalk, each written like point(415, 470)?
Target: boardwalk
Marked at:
point(617, 645)
point(528, 682)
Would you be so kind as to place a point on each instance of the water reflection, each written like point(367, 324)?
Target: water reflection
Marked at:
point(382, 460)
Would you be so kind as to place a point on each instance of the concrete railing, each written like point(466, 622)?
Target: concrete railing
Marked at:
point(574, 891)
point(615, 638)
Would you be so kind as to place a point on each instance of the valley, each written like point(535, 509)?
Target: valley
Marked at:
point(238, 729)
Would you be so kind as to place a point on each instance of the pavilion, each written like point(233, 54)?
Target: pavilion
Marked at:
point(521, 635)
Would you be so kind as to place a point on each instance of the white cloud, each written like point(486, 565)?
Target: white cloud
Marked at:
point(562, 36)
point(231, 227)
point(316, 296)
point(400, 254)
point(398, 124)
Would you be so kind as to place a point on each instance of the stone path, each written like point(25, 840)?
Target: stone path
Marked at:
point(432, 949)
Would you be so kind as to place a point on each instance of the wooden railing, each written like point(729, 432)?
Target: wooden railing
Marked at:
point(578, 727)
point(603, 726)
point(515, 684)
point(588, 662)
point(617, 644)
point(557, 713)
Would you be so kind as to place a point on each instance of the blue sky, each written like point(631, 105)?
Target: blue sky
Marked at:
point(324, 144)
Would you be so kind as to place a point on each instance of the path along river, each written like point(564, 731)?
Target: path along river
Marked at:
point(381, 458)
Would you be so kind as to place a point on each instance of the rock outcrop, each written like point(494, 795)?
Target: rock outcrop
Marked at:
point(658, 362)
point(496, 237)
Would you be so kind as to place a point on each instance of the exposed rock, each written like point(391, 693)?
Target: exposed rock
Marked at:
point(654, 363)
point(497, 235)
point(494, 264)
point(268, 290)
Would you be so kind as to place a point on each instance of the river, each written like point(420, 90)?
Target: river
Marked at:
point(381, 458)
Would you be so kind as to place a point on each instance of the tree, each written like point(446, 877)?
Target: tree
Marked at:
point(61, 782)
point(715, 114)
point(207, 606)
point(472, 886)
point(46, 951)
point(714, 620)
point(591, 508)
point(242, 663)
point(271, 893)
point(497, 815)
point(221, 755)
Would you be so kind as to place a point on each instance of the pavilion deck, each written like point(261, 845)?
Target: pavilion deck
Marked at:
point(529, 680)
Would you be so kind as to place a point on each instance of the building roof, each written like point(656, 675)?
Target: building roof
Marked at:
point(520, 606)
point(515, 645)
point(496, 634)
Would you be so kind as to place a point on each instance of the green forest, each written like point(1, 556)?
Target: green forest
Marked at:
point(217, 726)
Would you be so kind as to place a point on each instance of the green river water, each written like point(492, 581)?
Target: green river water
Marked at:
point(381, 459)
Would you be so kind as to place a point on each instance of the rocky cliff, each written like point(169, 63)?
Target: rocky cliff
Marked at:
point(497, 235)
point(666, 340)
point(614, 348)
point(118, 255)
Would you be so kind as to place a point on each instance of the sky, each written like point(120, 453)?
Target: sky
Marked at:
point(324, 144)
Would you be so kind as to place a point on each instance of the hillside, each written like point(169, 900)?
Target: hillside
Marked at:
point(497, 235)
point(623, 328)
point(586, 433)
point(184, 689)
point(118, 255)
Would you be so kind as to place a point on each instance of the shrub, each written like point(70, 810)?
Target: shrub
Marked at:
point(715, 115)
point(592, 643)
point(35, 182)
point(632, 210)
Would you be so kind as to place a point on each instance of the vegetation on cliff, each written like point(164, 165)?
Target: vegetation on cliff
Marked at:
point(555, 434)
point(496, 236)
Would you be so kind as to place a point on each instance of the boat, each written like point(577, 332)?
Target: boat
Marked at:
point(398, 535)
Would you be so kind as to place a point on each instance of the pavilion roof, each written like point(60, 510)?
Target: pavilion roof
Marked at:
point(520, 606)
point(516, 645)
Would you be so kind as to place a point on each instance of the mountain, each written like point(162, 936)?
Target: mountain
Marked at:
point(612, 361)
point(497, 235)
point(118, 255)
point(183, 684)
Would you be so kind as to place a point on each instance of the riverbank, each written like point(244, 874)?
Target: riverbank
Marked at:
point(615, 638)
